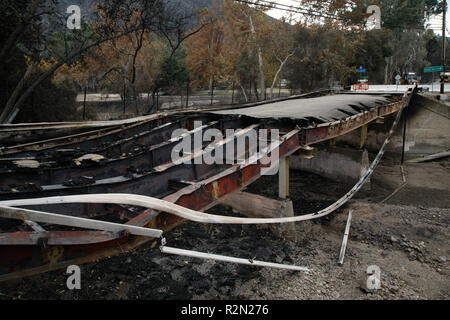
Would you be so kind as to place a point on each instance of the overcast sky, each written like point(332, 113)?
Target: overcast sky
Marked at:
point(435, 22)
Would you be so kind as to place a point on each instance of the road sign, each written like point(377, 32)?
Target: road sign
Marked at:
point(433, 69)
point(364, 77)
point(361, 69)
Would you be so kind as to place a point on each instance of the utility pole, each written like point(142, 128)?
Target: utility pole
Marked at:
point(444, 13)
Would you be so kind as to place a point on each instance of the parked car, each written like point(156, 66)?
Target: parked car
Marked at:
point(444, 76)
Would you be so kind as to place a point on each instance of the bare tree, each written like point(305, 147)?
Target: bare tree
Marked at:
point(245, 16)
point(281, 42)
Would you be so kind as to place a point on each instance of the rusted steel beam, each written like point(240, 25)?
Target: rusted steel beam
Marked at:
point(57, 238)
point(154, 183)
point(328, 131)
point(109, 142)
point(21, 260)
point(33, 131)
point(35, 144)
point(142, 160)
point(207, 193)
point(113, 148)
point(47, 143)
point(76, 222)
point(18, 137)
point(97, 140)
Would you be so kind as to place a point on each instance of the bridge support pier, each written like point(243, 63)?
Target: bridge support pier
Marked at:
point(364, 132)
point(283, 178)
point(256, 206)
point(340, 164)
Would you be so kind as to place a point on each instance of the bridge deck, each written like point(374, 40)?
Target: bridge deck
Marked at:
point(325, 109)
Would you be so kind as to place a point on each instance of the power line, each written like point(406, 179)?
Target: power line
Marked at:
point(309, 10)
point(288, 8)
point(283, 7)
point(320, 6)
point(274, 5)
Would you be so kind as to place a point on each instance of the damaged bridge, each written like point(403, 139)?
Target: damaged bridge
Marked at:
point(69, 169)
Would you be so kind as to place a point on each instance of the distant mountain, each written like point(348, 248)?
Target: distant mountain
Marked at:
point(184, 6)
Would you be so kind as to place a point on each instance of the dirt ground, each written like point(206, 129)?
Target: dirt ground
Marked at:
point(406, 237)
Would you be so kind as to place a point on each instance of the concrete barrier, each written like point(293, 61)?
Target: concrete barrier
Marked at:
point(340, 164)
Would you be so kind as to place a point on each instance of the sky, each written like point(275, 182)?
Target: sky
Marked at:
point(436, 22)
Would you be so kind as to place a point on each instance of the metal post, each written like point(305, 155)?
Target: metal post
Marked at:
point(157, 100)
point(443, 45)
point(124, 98)
point(246, 261)
point(136, 100)
point(344, 241)
point(84, 104)
point(32, 106)
point(279, 88)
point(212, 92)
point(432, 83)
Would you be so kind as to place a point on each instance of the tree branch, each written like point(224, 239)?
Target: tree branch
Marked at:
point(6, 115)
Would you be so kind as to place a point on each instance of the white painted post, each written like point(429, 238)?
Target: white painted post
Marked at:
point(216, 257)
point(344, 241)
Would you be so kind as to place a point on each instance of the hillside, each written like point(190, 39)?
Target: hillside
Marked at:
point(183, 6)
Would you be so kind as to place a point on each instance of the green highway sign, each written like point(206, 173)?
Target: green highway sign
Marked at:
point(433, 69)
point(364, 77)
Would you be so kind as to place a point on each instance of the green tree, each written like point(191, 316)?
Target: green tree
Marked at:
point(407, 14)
point(173, 71)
